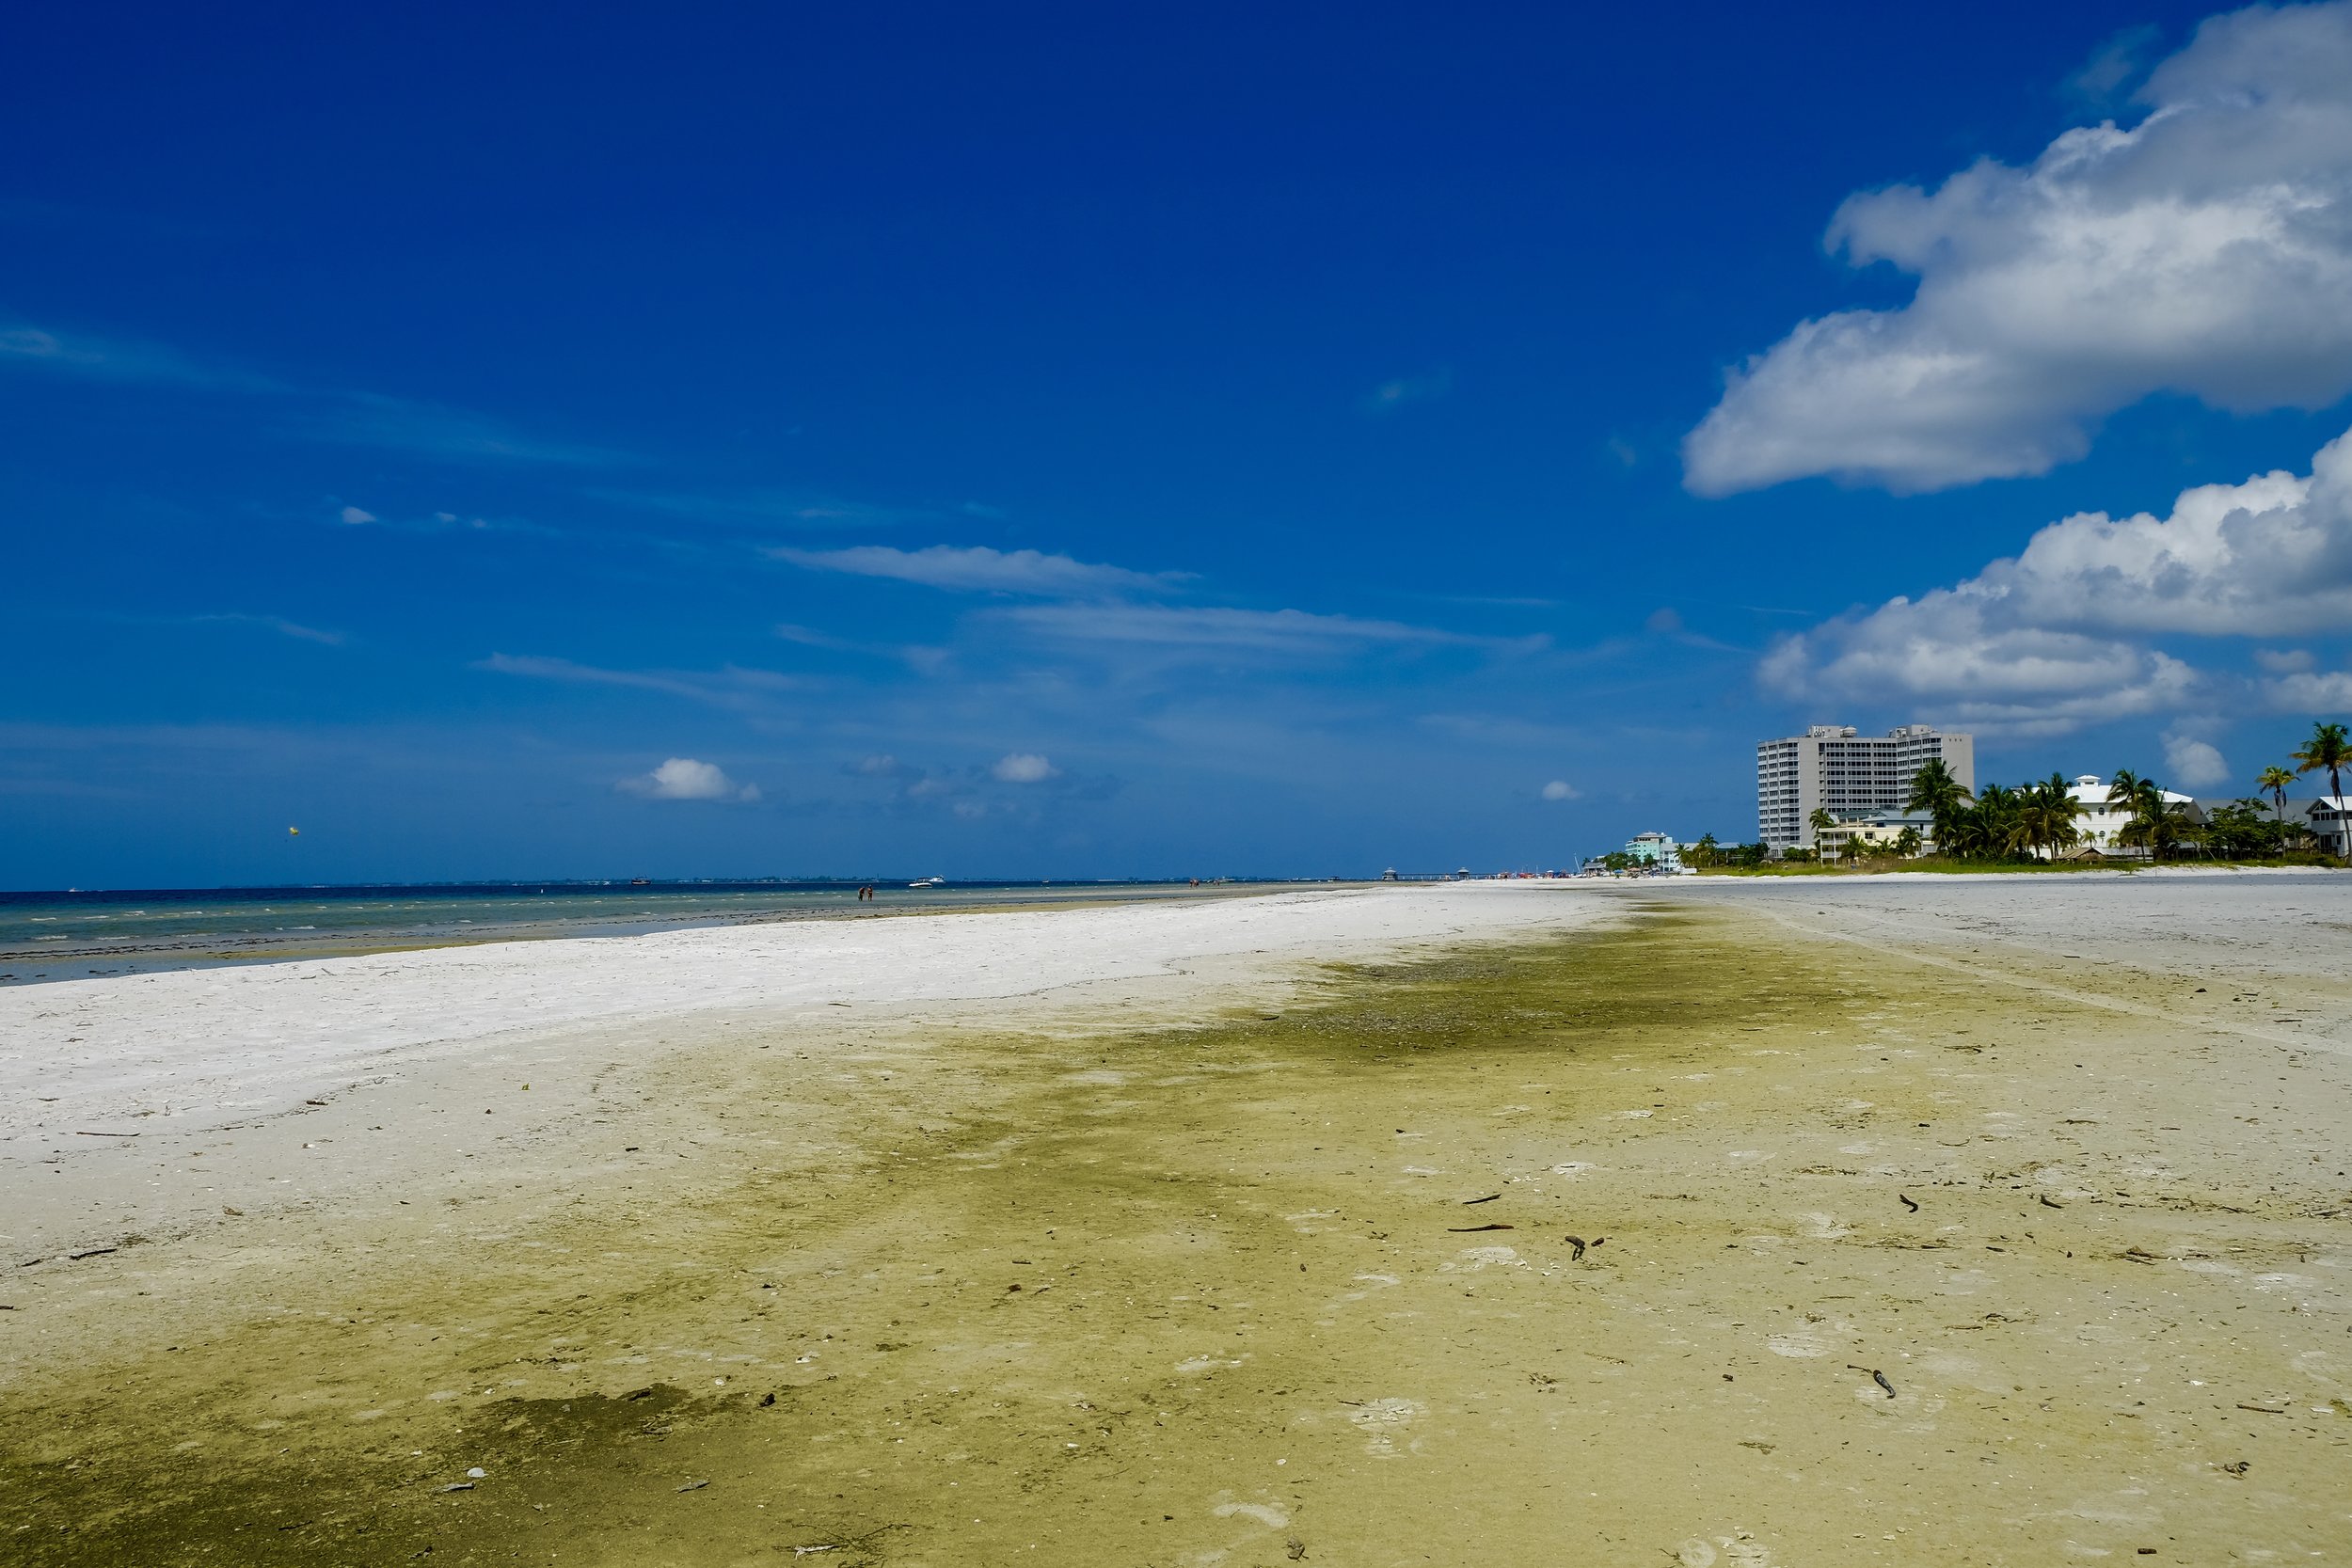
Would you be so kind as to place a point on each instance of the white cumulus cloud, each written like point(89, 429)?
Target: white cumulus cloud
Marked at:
point(2061, 633)
point(2195, 763)
point(2330, 692)
point(1560, 789)
point(1023, 768)
point(2206, 250)
point(685, 778)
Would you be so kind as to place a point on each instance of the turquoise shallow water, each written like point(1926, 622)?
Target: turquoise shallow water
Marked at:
point(68, 936)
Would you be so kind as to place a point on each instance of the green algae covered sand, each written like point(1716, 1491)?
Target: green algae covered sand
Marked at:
point(1682, 1240)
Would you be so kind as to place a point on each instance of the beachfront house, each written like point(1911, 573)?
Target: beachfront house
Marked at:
point(2101, 824)
point(1659, 851)
point(2317, 816)
point(1644, 854)
point(1874, 832)
point(2329, 818)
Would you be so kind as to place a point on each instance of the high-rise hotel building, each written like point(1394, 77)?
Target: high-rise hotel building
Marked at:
point(1830, 766)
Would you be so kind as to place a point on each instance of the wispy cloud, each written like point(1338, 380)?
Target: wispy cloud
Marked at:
point(977, 569)
point(279, 625)
point(792, 508)
point(403, 424)
point(2113, 66)
point(1404, 389)
point(1667, 622)
point(732, 687)
point(1294, 632)
point(31, 347)
point(320, 414)
point(809, 637)
point(442, 522)
point(538, 668)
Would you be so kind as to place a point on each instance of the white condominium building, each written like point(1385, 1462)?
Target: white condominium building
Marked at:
point(1832, 766)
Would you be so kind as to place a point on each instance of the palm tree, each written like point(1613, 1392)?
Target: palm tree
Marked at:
point(1821, 822)
point(2000, 826)
point(2331, 748)
point(2142, 800)
point(2273, 780)
point(1934, 790)
point(2047, 815)
point(2155, 821)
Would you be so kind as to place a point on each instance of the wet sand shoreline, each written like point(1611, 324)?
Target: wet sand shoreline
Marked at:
point(170, 933)
point(1205, 1285)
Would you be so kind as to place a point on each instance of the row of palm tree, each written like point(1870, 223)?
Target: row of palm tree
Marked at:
point(2328, 750)
point(1998, 822)
point(2039, 819)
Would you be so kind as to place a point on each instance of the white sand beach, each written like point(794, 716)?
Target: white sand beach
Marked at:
point(88, 1065)
point(1854, 1220)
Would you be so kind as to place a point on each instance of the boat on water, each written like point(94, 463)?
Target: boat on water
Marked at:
point(930, 882)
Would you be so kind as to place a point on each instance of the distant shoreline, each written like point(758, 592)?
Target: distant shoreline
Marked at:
point(50, 938)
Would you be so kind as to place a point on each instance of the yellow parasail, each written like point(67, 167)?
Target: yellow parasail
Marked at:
point(294, 831)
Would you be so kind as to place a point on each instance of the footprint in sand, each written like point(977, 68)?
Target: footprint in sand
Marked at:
point(1382, 1422)
point(1479, 1257)
point(1734, 1551)
point(1798, 1345)
point(1267, 1515)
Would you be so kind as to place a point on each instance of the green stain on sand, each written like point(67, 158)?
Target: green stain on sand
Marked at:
point(1067, 1276)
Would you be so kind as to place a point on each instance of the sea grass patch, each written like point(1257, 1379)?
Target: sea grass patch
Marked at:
point(1589, 1246)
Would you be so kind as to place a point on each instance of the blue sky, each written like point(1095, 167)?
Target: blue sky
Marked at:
point(1069, 441)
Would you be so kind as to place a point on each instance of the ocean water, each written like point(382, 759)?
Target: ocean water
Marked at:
point(71, 936)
